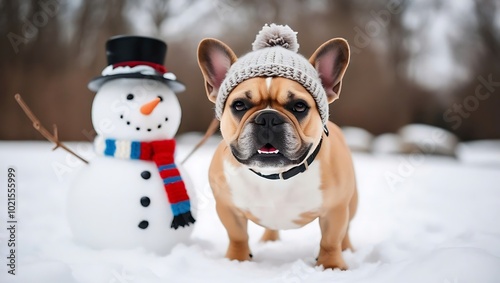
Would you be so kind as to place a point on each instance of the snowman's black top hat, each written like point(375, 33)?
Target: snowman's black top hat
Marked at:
point(136, 57)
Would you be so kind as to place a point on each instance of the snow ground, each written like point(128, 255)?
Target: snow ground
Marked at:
point(420, 219)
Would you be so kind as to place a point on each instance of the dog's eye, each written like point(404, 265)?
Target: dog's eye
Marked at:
point(299, 107)
point(239, 105)
point(130, 96)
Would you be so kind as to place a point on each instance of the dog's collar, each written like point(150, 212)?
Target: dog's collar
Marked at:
point(297, 169)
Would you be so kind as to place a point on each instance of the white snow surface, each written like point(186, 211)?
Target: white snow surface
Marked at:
point(420, 219)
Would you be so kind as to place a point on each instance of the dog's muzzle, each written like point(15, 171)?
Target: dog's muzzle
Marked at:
point(269, 127)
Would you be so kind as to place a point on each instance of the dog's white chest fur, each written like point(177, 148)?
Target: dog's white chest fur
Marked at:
point(277, 204)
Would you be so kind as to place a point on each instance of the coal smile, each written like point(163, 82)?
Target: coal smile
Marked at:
point(138, 128)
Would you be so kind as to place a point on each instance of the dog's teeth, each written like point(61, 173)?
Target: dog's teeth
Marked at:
point(268, 152)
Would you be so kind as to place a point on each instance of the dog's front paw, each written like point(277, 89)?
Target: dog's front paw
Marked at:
point(331, 260)
point(239, 256)
point(327, 264)
point(240, 252)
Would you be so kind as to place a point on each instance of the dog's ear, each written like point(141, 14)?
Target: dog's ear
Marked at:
point(331, 60)
point(214, 59)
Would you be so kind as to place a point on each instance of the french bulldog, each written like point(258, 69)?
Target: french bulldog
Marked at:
point(280, 165)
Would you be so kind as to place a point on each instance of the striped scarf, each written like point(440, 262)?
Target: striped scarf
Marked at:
point(162, 153)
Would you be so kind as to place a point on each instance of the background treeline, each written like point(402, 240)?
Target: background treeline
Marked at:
point(434, 62)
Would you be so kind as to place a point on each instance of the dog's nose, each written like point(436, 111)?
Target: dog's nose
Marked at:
point(268, 119)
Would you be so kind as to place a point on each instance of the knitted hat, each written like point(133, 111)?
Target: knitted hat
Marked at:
point(274, 55)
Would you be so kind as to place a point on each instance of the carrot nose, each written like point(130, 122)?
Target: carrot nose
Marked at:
point(147, 108)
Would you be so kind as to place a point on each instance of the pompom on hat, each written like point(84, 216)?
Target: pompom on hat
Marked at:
point(274, 54)
point(276, 35)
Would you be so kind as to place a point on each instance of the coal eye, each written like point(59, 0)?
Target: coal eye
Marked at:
point(130, 96)
point(239, 106)
point(161, 98)
point(300, 107)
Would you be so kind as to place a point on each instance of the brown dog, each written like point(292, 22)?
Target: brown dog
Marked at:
point(279, 165)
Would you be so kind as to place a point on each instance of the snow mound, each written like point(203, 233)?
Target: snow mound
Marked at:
point(420, 138)
point(358, 139)
point(484, 152)
point(388, 143)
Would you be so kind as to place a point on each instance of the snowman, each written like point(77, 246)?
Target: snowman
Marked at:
point(132, 193)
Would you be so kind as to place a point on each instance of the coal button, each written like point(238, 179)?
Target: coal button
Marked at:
point(144, 224)
point(145, 201)
point(146, 175)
